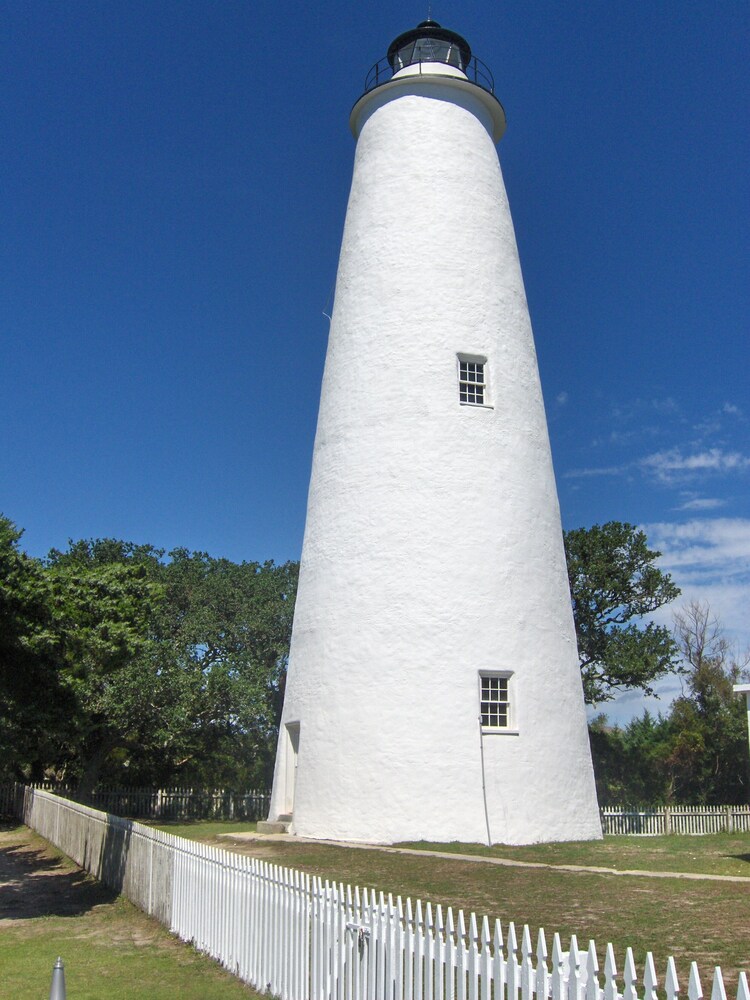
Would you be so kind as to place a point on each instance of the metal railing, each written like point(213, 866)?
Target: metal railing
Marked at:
point(476, 71)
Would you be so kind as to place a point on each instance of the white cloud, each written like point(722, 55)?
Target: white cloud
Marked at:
point(672, 466)
point(669, 465)
point(611, 470)
point(705, 544)
point(561, 398)
point(702, 503)
point(638, 408)
point(707, 428)
point(709, 559)
point(731, 409)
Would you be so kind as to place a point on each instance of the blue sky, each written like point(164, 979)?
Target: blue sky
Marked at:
point(174, 184)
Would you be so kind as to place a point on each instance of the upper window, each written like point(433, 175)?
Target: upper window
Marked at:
point(494, 701)
point(472, 381)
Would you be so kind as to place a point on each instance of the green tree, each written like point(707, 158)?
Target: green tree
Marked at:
point(613, 585)
point(176, 665)
point(119, 664)
point(225, 627)
point(631, 763)
point(103, 603)
point(708, 759)
point(34, 706)
point(697, 752)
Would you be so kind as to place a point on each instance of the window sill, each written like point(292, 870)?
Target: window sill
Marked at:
point(477, 406)
point(486, 731)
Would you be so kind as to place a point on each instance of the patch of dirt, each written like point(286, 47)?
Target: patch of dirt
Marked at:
point(263, 852)
point(37, 882)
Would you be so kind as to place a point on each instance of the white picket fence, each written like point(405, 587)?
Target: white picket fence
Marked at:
point(653, 820)
point(302, 938)
point(201, 803)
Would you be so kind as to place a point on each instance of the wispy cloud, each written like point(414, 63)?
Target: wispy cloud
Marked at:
point(671, 465)
point(611, 470)
point(702, 503)
point(637, 408)
point(709, 559)
point(731, 409)
point(561, 398)
point(708, 549)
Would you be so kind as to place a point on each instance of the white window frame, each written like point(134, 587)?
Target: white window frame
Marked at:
point(474, 359)
point(510, 727)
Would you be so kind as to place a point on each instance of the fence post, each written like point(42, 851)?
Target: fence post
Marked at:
point(729, 820)
point(57, 987)
point(667, 819)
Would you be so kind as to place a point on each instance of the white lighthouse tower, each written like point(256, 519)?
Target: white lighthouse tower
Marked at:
point(433, 688)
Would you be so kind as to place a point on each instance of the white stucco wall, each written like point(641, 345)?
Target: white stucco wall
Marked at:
point(433, 545)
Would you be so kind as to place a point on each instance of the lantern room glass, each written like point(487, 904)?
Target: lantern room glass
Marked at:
point(435, 50)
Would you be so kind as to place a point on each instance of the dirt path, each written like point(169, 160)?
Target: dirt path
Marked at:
point(267, 838)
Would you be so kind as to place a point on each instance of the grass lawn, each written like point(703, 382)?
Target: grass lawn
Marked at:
point(200, 829)
point(717, 854)
point(49, 907)
point(706, 921)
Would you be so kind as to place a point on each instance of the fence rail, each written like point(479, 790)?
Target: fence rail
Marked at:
point(197, 803)
point(653, 820)
point(162, 803)
point(301, 938)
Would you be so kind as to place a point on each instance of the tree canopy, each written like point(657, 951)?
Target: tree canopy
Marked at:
point(614, 583)
point(694, 753)
point(117, 662)
point(34, 703)
point(708, 759)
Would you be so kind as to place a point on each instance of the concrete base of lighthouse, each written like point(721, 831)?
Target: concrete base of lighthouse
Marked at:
point(433, 691)
point(269, 827)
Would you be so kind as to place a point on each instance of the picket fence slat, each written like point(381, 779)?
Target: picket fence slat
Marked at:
point(301, 938)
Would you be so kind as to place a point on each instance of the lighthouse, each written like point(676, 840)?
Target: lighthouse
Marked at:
point(433, 690)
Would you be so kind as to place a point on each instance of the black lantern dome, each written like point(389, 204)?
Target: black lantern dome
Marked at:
point(429, 43)
point(424, 50)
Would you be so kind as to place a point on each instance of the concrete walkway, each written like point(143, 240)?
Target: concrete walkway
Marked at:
point(268, 838)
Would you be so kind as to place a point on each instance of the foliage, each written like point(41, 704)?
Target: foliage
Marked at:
point(103, 608)
point(34, 705)
point(225, 628)
point(629, 763)
point(709, 758)
point(119, 664)
point(613, 584)
point(697, 752)
point(203, 659)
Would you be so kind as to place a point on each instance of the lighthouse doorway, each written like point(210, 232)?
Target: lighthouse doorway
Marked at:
point(292, 752)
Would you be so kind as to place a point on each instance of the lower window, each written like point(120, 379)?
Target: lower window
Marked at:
point(494, 701)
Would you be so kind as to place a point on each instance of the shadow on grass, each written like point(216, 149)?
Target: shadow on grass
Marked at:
point(739, 857)
point(33, 884)
point(178, 822)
